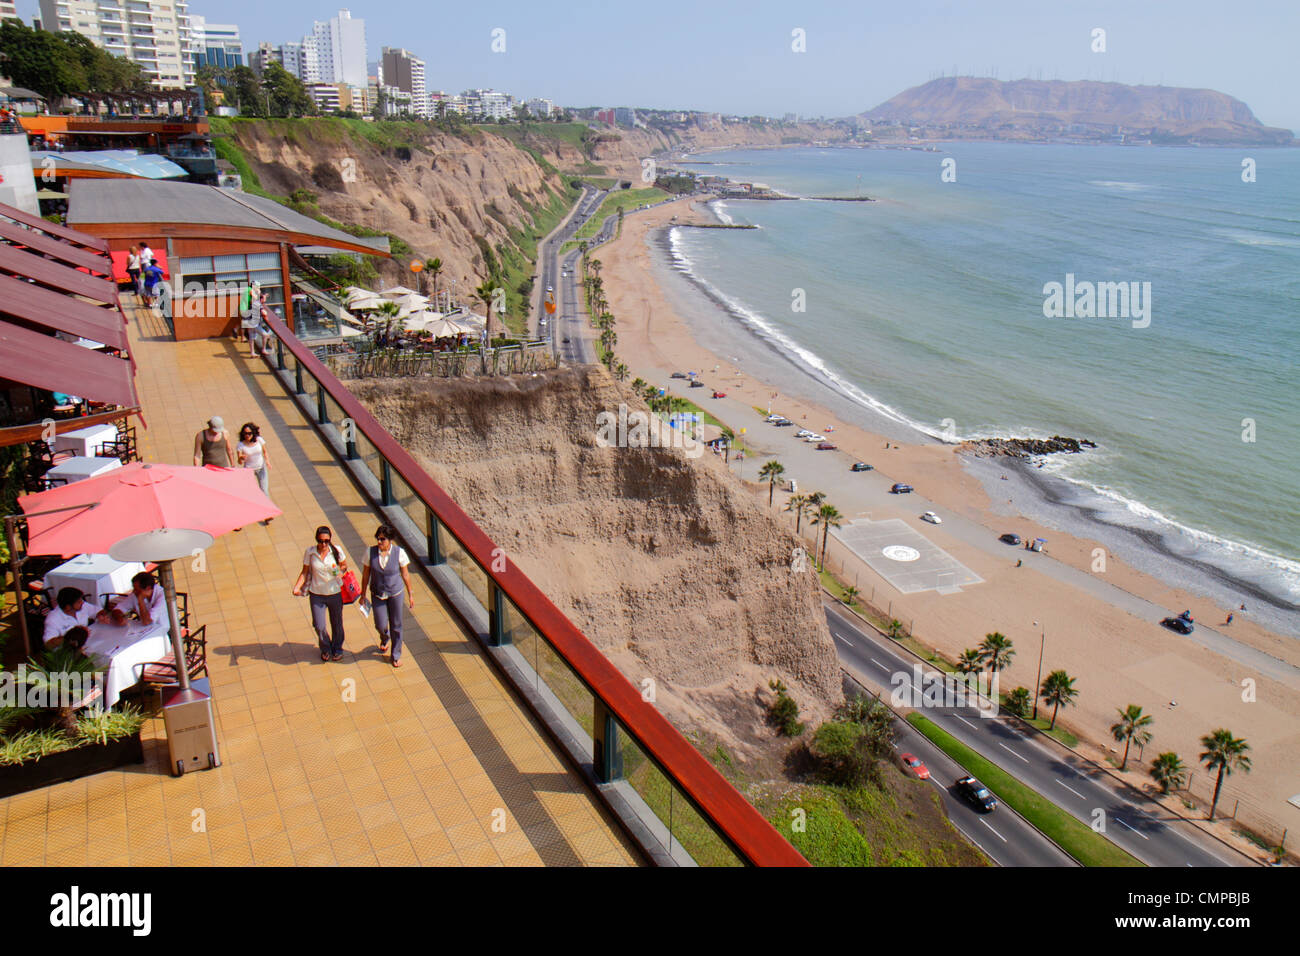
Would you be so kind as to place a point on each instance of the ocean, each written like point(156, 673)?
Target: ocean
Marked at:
point(924, 311)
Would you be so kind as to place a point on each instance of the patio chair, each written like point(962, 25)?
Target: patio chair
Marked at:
point(163, 673)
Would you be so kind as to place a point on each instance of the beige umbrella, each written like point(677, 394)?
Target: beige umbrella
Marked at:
point(446, 328)
point(411, 303)
point(353, 293)
point(397, 291)
point(365, 303)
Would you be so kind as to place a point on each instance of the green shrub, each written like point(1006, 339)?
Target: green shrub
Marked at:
point(784, 712)
point(1018, 702)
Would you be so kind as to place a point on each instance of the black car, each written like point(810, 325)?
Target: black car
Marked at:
point(678, 375)
point(565, 340)
point(783, 423)
point(900, 489)
point(1009, 538)
point(976, 794)
point(860, 466)
point(696, 383)
point(1179, 625)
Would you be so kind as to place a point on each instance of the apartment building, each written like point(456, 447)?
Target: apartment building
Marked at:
point(216, 44)
point(403, 71)
point(156, 34)
point(541, 107)
point(489, 103)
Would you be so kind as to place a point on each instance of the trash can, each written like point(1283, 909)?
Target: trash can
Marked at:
point(191, 734)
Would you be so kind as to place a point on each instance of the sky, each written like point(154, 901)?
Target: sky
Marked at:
point(737, 57)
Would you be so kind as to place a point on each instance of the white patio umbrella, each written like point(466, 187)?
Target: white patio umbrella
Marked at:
point(445, 328)
point(397, 291)
point(419, 320)
point(365, 303)
point(352, 293)
point(411, 303)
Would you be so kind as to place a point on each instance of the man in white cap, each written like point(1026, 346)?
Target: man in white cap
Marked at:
point(212, 445)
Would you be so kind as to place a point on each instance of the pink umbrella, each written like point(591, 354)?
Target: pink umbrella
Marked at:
point(154, 512)
point(92, 515)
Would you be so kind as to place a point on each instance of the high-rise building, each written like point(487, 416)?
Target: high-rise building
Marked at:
point(154, 33)
point(542, 107)
point(340, 45)
point(216, 44)
point(7, 10)
point(489, 103)
point(404, 71)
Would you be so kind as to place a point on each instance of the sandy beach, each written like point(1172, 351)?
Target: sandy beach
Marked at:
point(1095, 624)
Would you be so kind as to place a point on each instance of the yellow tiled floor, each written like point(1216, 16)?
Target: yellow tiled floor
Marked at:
point(352, 764)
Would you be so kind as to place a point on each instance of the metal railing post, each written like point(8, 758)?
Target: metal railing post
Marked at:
point(279, 354)
point(386, 483)
point(498, 636)
point(432, 537)
point(297, 378)
point(606, 749)
point(322, 413)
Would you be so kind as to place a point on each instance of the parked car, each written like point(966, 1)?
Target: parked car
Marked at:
point(814, 438)
point(717, 394)
point(931, 517)
point(1180, 625)
point(802, 433)
point(976, 794)
point(913, 764)
point(565, 340)
point(696, 383)
point(678, 375)
point(776, 418)
point(1009, 538)
point(783, 423)
point(899, 488)
point(827, 446)
point(860, 466)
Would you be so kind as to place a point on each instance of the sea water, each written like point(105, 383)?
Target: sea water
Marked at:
point(926, 310)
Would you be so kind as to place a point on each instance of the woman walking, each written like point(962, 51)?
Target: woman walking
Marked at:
point(133, 269)
point(321, 579)
point(251, 449)
point(387, 576)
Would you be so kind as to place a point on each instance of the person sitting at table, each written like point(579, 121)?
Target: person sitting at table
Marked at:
point(70, 610)
point(146, 600)
point(76, 639)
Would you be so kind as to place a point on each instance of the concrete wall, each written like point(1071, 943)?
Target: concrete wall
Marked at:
point(17, 182)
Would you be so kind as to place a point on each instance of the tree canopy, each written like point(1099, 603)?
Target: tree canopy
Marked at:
point(63, 64)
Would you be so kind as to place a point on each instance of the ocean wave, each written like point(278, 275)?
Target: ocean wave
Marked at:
point(1246, 238)
point(1120, 186)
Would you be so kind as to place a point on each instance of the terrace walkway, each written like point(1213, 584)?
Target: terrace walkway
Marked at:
point(355, 763)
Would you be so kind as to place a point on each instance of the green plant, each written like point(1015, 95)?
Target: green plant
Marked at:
point(1168, 771)
point(1018, 702)
point(784, 712)
point(51, 676)
point(1225, 753)
point(1131, 726)
point(33, 745)
point(895, 629)
point(110, 724)
point(996, 650)
point(1058, 688)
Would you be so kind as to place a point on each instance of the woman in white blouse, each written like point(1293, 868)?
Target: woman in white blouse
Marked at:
point(251, 451)
point(321, 579)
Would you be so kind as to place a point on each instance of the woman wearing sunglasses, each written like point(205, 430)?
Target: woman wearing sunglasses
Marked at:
point(323, 567)
point(251, 451)
point(388, 579)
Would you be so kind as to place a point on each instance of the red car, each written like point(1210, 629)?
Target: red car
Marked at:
point(912, 762)
point(719, 394)
point(826, 446)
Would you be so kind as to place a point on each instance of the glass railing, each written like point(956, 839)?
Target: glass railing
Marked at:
point(642, 765)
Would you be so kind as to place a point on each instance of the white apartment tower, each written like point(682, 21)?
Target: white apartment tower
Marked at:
point(154, 33)
point(340, 50)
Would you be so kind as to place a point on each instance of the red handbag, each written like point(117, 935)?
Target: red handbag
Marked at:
point(350, 590)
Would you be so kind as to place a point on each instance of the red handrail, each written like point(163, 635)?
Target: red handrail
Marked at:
point(747, 830)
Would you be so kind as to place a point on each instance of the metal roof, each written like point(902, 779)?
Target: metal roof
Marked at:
point(129, 161)
point(136, 201)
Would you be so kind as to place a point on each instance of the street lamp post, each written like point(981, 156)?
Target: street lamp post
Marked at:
point(1038, 681)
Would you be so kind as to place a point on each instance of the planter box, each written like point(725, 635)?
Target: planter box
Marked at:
point(70, 765)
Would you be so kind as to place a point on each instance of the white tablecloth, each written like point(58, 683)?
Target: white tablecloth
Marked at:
point(94, 575)
point(85, 441)
point(126, 648)
point(79, 467)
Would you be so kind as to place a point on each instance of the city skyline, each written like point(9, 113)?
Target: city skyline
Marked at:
point(715, 60)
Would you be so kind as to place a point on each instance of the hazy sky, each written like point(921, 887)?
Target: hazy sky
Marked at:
point(736, 57)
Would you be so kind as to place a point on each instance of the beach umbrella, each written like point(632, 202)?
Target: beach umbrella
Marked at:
point(144, 507)
point(397, 291)
point(442, 328)
point(411, 303)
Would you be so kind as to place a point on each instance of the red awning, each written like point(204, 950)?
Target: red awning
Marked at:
point(46, 245)
point(54, 229)
point(119, 264)
point(48, 362)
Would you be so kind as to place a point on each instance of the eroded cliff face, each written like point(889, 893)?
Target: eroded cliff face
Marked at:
point(666, 564)
point(442, 195)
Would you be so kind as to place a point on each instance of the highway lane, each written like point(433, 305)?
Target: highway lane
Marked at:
point(1003, 835)
point(1138, 826)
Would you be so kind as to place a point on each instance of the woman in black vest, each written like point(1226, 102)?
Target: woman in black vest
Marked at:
point(385, 578)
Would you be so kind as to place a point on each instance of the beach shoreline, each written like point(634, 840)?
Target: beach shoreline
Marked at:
point(1119, 655)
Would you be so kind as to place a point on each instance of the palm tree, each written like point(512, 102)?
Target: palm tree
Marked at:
point(997, 651)
point(1131, 726)
point(772, 471)
point(828, 516)
point(1225, 753)
point(850, 594)
point(895, 629)
point(812, 503)
point(1058, 688)
point(971, 661)
point(51, 678)
point(1168, 771)
point(620, 372)
point(434, 268)
point(797, 504)
point(638, 384)
point(387, 319)
point(486, 293)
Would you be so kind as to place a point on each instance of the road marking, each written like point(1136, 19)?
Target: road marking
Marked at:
point(1012, 752)
point(1138, 832)
point(964, 721)
point(877, 663)
point(1070, 788)
point(995, 832)
point(842, 641)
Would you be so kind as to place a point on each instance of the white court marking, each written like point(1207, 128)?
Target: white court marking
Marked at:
point(904, 557)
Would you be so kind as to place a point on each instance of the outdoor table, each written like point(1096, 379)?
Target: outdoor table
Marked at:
point(84, 441)
point(80, 466)
point(94, 575)
point(126, 649)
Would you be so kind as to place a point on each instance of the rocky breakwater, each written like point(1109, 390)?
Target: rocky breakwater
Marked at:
point(1025, 447)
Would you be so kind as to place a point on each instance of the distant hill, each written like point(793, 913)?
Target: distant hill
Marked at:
point(976, 107)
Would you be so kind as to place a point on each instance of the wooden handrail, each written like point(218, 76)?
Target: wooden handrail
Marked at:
point(23, 434)
point(748, 832)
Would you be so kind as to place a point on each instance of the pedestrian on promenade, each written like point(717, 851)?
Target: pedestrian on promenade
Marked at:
point(387, 576)
point(321, 579)
point(212, 445)
point(152, 277)
point(251, 449)
point(133, 269)
point(250, 315)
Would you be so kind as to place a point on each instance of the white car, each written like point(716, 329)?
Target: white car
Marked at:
point(802, 433)
point(931, 517)
point(812, 438)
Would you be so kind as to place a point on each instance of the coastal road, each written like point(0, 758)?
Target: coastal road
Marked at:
point(567, 323)
point(1150, 833)
point(1003, 835)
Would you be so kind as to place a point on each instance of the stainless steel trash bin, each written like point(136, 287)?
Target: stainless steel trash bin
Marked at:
point(191, 733)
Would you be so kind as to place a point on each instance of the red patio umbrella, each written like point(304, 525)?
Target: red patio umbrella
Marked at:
point(157, 512)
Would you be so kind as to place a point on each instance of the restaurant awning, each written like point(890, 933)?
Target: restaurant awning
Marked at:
point(52, 281)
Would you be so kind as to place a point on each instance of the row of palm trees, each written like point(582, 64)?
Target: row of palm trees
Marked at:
point(812, 506)
point(598, 306)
